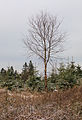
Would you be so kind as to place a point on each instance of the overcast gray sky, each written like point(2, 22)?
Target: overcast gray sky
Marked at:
point(13, 24)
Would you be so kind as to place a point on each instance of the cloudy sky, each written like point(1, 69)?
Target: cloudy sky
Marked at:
point(13, 25)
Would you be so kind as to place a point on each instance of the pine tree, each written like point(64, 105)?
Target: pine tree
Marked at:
point(31, 68)
point(3, 72)
point(25, 72)
point(79, 71)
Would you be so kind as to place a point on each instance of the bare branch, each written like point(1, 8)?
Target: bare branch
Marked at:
point(44, 38)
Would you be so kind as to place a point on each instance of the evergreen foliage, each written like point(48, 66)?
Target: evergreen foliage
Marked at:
point(25, 72)
point(31, 68)
point(66, 77)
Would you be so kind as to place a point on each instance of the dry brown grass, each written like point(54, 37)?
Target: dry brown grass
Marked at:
point(61, 105)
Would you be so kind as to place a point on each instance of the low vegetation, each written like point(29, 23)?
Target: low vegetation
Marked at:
point(58, 105)
point(23, 96)
point(66, 77)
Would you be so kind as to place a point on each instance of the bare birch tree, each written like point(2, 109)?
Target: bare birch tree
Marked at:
point(44, 38)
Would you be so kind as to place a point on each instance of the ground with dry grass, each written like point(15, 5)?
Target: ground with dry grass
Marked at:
point(57, 105)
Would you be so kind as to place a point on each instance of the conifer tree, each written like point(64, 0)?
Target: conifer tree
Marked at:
point(25, 72)
point(31, 68)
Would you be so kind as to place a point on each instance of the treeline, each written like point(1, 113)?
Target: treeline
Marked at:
point(65, 77)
